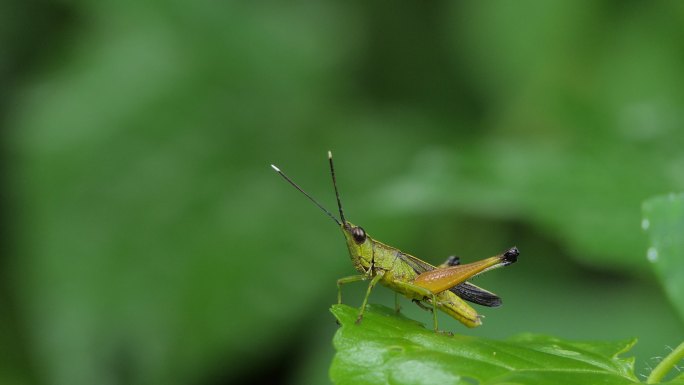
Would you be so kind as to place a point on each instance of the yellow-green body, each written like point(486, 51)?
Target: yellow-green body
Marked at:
point(398, 272)
point(443, 287)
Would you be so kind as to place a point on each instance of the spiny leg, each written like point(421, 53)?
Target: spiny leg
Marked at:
point(397, 307)
point(420, 305)
point(368, 291)
point(350, 279)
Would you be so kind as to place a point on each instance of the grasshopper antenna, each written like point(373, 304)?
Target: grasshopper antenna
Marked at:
point(337, 194)
point(307, 195)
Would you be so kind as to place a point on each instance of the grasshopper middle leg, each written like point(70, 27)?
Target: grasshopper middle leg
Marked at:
point(409, 287)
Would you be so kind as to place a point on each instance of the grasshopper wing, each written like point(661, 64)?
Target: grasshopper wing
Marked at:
point(465, 290)
point(476, 294)
point(417, 264)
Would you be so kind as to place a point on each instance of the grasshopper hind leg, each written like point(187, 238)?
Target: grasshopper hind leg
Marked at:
point(421, 305)
point(430, 309)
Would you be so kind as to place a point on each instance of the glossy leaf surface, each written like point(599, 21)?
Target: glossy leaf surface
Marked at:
point(390, 349)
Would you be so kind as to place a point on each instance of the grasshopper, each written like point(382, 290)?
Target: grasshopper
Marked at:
point(444, 287)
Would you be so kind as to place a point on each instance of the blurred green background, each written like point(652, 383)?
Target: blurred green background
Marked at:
point(147, 241)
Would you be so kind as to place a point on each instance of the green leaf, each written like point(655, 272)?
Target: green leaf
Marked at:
point(678, 380)
point(664, 223)
point(390, 349)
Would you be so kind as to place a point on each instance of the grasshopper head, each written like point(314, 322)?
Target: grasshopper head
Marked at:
point(360, 246)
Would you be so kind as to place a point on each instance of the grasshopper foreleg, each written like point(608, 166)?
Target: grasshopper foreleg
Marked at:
point(350, 279)
point(372, 283)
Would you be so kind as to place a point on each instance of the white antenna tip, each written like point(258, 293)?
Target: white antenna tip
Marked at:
point(329, 154)
point(275, 168)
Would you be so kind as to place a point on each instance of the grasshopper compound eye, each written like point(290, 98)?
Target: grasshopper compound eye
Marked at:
point(358, 234)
